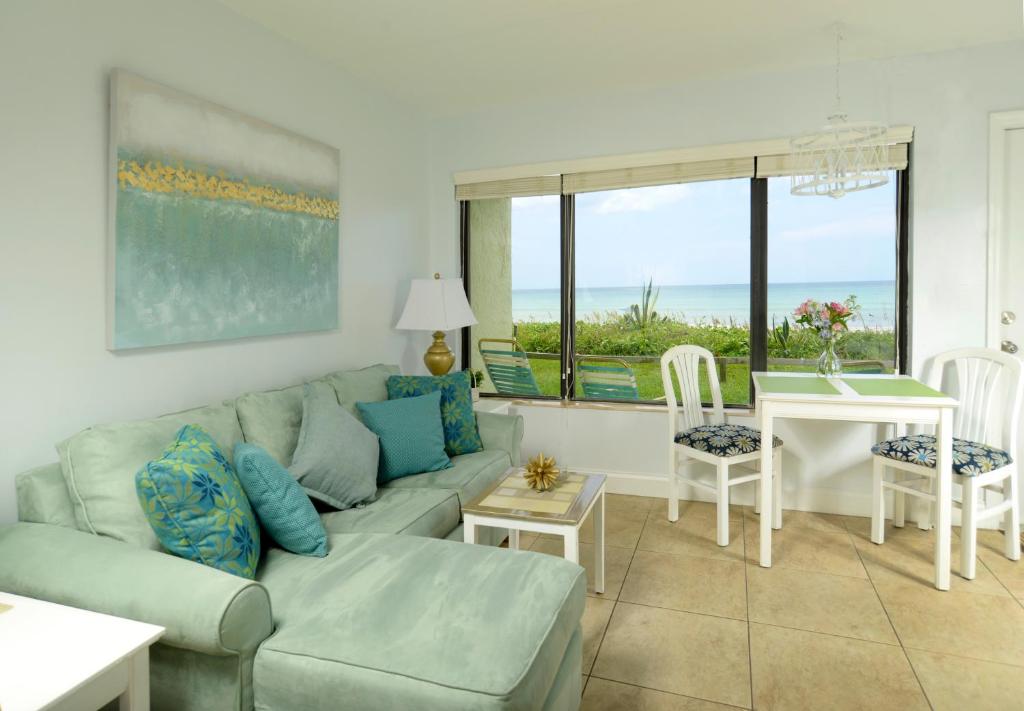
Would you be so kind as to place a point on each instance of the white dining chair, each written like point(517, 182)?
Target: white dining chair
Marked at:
point(693, 439)
point(989, 386)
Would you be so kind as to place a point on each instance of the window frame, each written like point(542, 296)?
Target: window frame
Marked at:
point(758, 288)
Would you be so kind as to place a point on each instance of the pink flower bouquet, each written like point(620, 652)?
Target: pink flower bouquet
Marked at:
point(828, 318)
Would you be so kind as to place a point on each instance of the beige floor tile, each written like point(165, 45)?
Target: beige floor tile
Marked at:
point(679, 652)
point(691, 535)
point(631, 504)
point(595, 620)
point(984, 627)
point(808, 549)
point(794, 669)
point(817, 602)
point(908, 556)
point(526, 541)
point(1008, 572)
point(621, 528)
point(604, 695)
point(616, 562)
point(829, 523)
point(688, 509)
point(954, 683)
point(705, 585)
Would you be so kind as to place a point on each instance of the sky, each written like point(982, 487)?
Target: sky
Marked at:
point(699, 233)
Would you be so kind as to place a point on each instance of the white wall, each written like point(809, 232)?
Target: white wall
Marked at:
point(56, 375)
point(946, 96)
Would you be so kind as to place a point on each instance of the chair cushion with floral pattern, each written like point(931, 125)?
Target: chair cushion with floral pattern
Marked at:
point(723, 440)
point(969, 458)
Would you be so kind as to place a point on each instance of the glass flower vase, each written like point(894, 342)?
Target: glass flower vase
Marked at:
point(829, 364)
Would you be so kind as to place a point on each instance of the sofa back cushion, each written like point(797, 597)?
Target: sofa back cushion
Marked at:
point(99, 466)
point(363, 385)
point(272, 419)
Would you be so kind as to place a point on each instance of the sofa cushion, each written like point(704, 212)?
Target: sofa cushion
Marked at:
point(272, 420)
point(336, 457)
point(43, 497)
point(99, 466)
point(282, 507)
point(457, 417)
point(363, 385)
point(419, 512)
point(417, 623)
point(469, 476)
point(411, 435)
point(197, 507)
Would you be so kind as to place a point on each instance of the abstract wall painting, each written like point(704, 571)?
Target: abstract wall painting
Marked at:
point(221, 226)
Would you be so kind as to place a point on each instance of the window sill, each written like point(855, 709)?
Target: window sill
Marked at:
point(608, 406)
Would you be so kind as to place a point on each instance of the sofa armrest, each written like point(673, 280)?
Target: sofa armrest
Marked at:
point(503, 432)
point(202, 609)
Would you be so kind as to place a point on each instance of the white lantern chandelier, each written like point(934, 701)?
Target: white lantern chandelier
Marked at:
point(843, 157)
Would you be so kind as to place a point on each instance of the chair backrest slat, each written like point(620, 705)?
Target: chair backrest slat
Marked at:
point(688, 412)
point(990, 388)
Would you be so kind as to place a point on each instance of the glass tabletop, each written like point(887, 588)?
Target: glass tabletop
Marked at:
point(566, 502)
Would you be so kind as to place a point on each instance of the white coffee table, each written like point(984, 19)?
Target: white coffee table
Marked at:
point(561, 511)
point(57, 657)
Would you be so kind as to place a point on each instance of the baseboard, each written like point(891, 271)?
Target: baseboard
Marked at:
point(811, 499)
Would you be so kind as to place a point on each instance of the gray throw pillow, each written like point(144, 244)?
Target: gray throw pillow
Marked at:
point(336, 457)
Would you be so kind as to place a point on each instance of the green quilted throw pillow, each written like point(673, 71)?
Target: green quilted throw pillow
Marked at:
point(195, 504)
point(457, 416)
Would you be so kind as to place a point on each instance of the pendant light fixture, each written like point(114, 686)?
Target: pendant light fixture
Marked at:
point(842, 157)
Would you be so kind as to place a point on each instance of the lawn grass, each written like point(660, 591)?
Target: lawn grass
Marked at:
point(735, 388)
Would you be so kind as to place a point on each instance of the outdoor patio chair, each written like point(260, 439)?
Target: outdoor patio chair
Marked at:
point(508, 367)
point(606, 379)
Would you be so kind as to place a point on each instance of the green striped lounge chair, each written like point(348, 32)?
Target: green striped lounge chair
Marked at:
point(606, 379)
point(508, 367)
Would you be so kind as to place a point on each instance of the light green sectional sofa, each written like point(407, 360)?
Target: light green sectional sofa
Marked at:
point(399, 615)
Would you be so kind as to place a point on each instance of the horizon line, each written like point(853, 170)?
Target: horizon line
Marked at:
point(771, 283)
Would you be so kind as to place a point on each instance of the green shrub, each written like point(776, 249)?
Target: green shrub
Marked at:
point(615, 335)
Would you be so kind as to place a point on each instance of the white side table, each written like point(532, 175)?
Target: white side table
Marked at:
point(561, 511)
point(58, 657)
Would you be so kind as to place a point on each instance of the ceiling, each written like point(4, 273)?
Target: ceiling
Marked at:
point(449, 56)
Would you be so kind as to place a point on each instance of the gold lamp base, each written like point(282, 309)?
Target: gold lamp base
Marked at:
point(439, 358)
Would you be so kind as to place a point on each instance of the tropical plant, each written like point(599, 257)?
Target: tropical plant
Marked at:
point(641, 316)
point(779, 337)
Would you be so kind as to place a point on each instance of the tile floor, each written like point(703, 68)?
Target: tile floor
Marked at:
point(837, 623)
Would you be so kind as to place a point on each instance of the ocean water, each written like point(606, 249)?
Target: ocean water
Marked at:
point(715, 302)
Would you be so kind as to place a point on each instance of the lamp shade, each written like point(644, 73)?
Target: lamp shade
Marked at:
point(436, 305)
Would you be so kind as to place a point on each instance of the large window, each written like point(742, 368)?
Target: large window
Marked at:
point(833, 250)
point(577, 295)
point(658, 266)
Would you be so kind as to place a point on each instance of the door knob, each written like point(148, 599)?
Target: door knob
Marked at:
point(1009, 347)
point(1007, 318)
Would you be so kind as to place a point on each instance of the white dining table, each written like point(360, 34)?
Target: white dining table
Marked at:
point(896, 399)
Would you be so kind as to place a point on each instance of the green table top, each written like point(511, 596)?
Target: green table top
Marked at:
point(791, 385)
point(892, 387)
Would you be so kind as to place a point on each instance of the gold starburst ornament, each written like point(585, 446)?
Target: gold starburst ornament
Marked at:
point(541, 473)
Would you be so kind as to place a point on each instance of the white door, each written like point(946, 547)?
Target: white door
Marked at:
point(1007, 308)
point(1006, 239)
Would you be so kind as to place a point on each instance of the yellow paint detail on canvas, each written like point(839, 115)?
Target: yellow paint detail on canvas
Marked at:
point(156, 177)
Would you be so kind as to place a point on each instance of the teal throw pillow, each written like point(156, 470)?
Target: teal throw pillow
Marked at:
point(196, 505)
point(281, 505)
point(457, 416)
point(336, 458)
point(410, 433)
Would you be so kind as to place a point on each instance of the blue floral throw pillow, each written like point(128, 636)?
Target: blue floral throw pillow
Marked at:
point(196, 505)
point(457, 416)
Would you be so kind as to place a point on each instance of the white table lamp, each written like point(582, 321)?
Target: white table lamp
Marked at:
point(436, 305)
